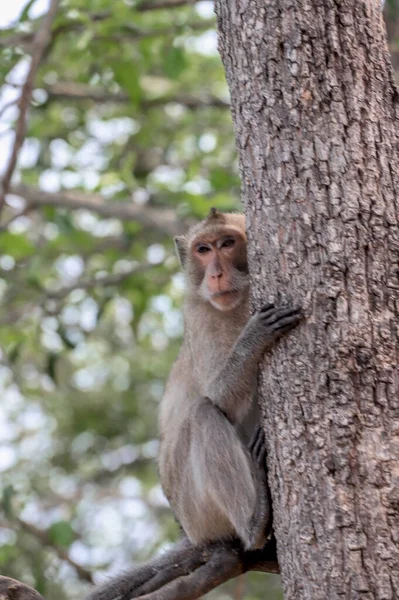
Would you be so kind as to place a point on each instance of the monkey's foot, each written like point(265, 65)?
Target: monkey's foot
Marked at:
point(257, 448)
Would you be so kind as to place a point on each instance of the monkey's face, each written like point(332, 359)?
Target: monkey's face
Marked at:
point(219, 259)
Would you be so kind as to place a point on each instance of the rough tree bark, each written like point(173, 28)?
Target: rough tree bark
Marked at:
point(315, 109)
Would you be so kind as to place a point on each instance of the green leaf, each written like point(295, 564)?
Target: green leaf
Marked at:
point(127, 75)
point(52, 360)
point(64, 336)
point(175, 62)
point(61, 534)
point(84, 40)
point(6, 500)
point(64, 223)
point(127, 169)
point(24, 13)
point(16, 245)
point(220, 178)
point(13, 351)
point(103, 306)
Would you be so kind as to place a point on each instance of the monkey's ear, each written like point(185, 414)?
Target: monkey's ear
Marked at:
point(181, 249)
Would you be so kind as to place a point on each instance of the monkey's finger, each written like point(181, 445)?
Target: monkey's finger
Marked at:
point(261, 457)
point(281, 313)
point(286, 324)
point(267, 307)
point(260, 449)
point(254, 439)
point(260, 440)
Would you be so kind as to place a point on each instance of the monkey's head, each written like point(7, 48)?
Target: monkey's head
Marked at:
point(213, 254)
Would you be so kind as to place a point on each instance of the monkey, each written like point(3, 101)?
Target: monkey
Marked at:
point(213, 476)
point(217, 489)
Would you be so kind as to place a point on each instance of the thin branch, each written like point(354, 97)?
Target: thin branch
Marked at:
point(70, 90)
point(45, 540)
point(163, 4)
point(102, 475)
point(103, 281)
point(14, 315)
point(163, 220)
point(191, 102)
point(141, 34)
point(130, 34)
point(16, 39)
point(187, 572)
point(25, 211)
point(40, 44)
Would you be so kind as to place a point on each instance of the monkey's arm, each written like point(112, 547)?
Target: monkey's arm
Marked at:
point(232, 388)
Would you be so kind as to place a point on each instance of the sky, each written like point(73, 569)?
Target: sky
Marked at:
point(9, 11)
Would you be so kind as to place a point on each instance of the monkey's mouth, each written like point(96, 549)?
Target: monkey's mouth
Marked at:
point(225, 293)
point(226, 299)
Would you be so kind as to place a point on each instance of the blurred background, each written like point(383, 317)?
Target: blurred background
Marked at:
point(129, 140)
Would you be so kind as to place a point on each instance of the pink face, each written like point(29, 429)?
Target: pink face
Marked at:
point(221, 257)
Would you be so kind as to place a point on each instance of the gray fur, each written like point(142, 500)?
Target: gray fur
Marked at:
point(215, 488)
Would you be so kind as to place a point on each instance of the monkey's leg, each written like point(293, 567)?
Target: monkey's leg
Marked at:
point(225, 483)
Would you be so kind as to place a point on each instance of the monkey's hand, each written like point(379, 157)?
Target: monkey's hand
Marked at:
point(232, 389)
point(270, 323)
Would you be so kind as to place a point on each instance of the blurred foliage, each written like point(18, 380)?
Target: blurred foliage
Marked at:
point(130, 104)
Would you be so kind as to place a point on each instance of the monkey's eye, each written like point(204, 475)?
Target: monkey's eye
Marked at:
point(201, 249)
point(228, 242)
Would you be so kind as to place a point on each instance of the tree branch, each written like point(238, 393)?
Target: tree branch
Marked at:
point(187, 572)
point(40, 44)
point(129, 34)
point(163, 4)
point(80, 91)
point(25, 211)
point(163, 220)
point(103, 281)
point(45, 540)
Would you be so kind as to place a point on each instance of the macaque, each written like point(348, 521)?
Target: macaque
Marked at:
point(215, 481)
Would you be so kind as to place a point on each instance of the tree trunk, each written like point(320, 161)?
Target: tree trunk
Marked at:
point(315, 109)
